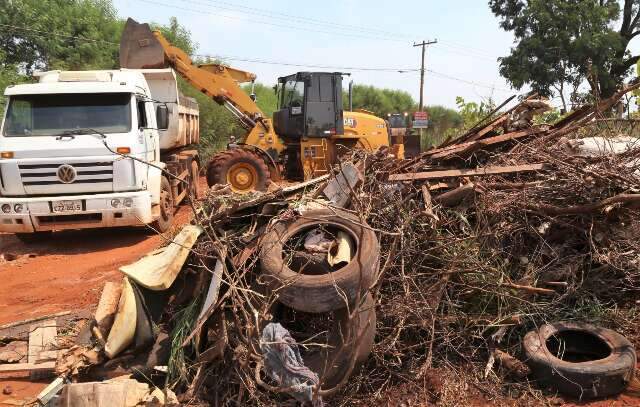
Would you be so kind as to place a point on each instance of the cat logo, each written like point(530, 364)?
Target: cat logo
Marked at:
point(350, 122)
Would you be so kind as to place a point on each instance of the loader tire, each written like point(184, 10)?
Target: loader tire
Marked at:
point(243, 170)
point(580, 360)
point(320, 292)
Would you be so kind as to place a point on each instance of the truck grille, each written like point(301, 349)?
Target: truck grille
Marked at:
point(48, 174)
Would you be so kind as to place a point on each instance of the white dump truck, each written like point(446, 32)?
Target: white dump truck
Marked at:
point(86, 149)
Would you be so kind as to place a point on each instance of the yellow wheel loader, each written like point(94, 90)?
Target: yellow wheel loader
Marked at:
point(303, 140)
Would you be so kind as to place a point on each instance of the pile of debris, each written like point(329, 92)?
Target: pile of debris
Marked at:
point(387, 278)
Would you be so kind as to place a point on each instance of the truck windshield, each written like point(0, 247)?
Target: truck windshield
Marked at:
point(53, 114)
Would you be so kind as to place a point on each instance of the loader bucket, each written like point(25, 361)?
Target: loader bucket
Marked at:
point(139, 48)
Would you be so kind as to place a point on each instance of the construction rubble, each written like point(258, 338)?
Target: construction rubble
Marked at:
point(415, 280)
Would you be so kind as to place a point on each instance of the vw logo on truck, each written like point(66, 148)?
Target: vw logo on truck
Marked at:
point(66, 173)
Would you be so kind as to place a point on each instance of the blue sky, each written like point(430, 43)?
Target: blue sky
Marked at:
point(349, 33)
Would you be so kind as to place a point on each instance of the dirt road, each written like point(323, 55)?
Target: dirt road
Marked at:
point(69, 269)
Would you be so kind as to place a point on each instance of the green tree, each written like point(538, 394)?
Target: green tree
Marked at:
point(380, 101)
point(444, 122)
point(266, 98)
point(58, 34)
point(562, 43)
point(177, 35)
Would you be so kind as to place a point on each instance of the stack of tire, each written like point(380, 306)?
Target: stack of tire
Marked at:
point(343, 292)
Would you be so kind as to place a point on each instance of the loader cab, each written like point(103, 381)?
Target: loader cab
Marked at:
point(309, 105)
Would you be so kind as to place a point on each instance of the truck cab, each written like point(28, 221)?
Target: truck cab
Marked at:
point(81, 149)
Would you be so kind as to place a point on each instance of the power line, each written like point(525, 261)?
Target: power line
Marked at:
point(291, 27)
point(46, 34)
point(306, 20)
point(225, 5)
point(300, 65)
point(380, 34)
point(354, 68)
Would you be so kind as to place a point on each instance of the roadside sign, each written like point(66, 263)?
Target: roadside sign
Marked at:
point(420, 116)
point(420, 124)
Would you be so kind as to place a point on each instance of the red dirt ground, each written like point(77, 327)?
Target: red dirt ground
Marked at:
point(65, 273)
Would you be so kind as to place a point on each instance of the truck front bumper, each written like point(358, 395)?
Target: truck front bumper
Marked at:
point(27, 215)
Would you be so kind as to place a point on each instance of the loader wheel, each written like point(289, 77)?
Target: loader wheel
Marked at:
point(243, 170)
point(163, 223)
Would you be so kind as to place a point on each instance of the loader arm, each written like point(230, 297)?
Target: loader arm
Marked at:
point(140, 48)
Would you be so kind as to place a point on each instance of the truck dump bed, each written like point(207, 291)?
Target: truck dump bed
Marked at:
point(183, 128)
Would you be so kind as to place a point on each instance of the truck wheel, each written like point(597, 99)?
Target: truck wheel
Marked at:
point(163, 223)
point(195, 179)
point(243, 170)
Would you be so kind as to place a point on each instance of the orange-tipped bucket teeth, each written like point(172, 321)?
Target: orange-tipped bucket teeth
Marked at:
point(139, 48)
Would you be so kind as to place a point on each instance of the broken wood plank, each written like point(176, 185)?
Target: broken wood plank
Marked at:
point(50, 391)
point(47, 356)
point(467, 172)
point(42, 337)
point(107, 306)
point(454, 197)
point(17, 368)
point(530, 289)
point(428, 204)
point(338, 189)
point(36, 319)
point(490, 127)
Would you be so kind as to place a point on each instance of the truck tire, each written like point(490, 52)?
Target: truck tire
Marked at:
point(594, 362)
point(167, 207)
point(195, 180)
point(320, 292)
point(243, 170)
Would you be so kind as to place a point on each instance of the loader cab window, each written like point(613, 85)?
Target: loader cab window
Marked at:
point(293, 96)
point(310, 105)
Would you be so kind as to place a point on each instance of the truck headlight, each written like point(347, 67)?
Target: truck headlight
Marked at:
point(6, 208)
point(18, 208)
point(115, 202)
point(127, 202)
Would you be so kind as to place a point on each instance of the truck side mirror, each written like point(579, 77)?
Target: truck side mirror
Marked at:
point(162, 117)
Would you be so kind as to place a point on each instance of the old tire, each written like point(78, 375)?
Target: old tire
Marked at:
point(243, 170)
point(317, 293)
point(596, 362)
point(167, 207)
point(347, 342)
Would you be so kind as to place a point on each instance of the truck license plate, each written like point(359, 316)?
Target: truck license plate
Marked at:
point(66, 206)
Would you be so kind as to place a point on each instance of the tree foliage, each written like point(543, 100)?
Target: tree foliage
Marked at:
point(562, 43)
point(380, 101)
point(58, 34)
point(177, 35)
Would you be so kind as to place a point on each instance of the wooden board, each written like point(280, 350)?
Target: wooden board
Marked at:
point(42, 337)
point(466, 172)
point(14, 368)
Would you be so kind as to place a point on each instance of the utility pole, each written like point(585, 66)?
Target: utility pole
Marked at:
point(423, 44)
